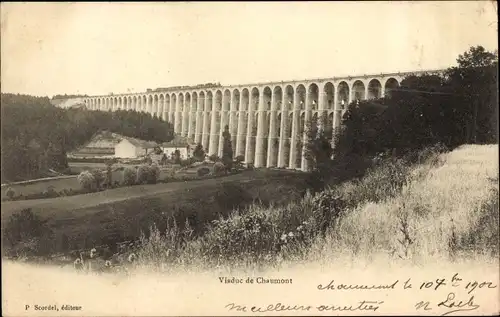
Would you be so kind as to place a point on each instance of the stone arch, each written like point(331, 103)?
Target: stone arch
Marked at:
point(288, 98)
point(254, 99)
point(180, 102)
point(187, 102)
point(235, 100)
point(374, 89)
point(329, 96)
point(134, 103)
point(390, 85)
point(343, 93)
point(167, 104)
point(194, 96)
point(149, 104)
point(218, 101)
point(144, 103)
point(277, 98)
point(155, 105)
point(209, 104)
point(267, 97)
point(313, 93)
point(300, 95)
point(226, 101)
point(358, 90)
point(173, 108)
point(202, 101)
point(161, 106)
point(245, 99)
point(300, 141)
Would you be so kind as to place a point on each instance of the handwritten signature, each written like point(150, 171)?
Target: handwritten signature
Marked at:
point(452, 304)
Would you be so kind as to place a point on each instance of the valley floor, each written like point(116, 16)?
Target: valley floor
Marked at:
point(450, 219)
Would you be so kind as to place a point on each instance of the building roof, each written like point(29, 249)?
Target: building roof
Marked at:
point(178, 141)
point(141, 143)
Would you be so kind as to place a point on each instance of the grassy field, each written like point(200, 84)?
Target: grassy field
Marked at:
point(441, 210)
point(121, 213)
point(72, 183)
point(450, 211)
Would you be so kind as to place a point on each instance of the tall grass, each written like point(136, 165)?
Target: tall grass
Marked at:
point(444, 206)
point(450, 212)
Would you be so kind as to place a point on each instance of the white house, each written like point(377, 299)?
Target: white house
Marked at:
point(133, 148)
point(178, 143)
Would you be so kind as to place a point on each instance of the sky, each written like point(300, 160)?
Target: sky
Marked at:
point(99, 48)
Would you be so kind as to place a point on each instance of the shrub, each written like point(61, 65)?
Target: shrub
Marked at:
point(27, 234)
point(98, 177)
point(153, 174)
point(199, 153)
point(202, 171)
point(187, 162)
point(10, 193)
point(87, 180)
point(142, 174)
point(239, 158)
point(213, 158)
point(129, 176)
point(219, 168)
point(328, 207)
point(51, 192)
point(250, 234)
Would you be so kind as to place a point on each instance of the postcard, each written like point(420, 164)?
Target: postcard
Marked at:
point(249, 158)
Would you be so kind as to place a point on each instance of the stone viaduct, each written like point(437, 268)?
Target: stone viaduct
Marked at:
point(266, 120)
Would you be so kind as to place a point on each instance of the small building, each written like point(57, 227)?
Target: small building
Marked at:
point(134, 148)
point(178, 143)
point(101, 145)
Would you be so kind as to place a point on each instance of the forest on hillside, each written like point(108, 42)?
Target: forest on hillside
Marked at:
point(37, 135)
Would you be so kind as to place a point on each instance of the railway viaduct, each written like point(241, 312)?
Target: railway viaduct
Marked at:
point(266, 120)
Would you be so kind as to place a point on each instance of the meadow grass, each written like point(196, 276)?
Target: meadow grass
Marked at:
point(445, 208)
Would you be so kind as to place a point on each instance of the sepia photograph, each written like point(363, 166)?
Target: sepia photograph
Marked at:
point(250, 158)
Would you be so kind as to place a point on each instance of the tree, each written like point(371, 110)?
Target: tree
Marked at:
point(474, 83)
point(177, 156)
point(129, 176)
point(109, 172)
point(227, 149)
point(87, 180)
point(318, 153)
point(199, 153)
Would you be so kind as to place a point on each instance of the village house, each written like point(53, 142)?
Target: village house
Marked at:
point(101, 145)
point(178, 143)
point(134, 148)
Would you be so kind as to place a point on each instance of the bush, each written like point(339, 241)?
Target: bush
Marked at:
point(129, 176)
point(87, 180)
point(98, 177)
point(239, 158)
point(27, 234)
point(250, 234)
point(202, 171)
point(143, 174)
point(214, 158)
point(328, 207)
point(153, 174)
point(10, 193)
point(51, 192)
point(218, 169)
point(187, 162)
